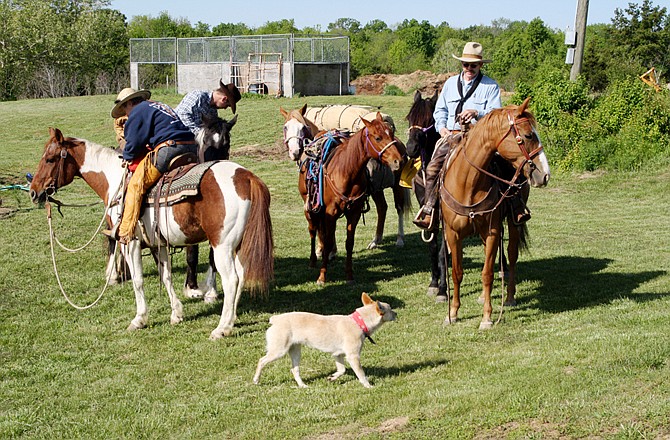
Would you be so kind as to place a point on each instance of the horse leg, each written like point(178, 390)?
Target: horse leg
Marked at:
point(442, 294)
point(401, 199)
point(191, 288)
point(456, 247)
point(211, 295)
point(491, 248)
point(352, 222)
point(165, 271)
point(512, 258)
point(433, 287)
point(382, 209)
point(327, 237)
point(224, 256)
point(312, 238)
point(133, 255)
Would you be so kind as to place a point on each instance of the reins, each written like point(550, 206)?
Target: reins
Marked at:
point(52, 235)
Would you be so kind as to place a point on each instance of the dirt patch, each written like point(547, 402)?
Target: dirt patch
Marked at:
point(276, 151)
point(387, 428)
point(423, 80)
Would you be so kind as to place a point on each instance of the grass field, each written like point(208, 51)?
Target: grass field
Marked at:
point(585, 354)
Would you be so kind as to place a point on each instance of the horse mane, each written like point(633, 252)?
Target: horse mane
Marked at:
point(489, 125)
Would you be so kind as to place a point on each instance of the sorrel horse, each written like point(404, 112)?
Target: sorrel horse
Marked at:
point(231, 211)
point(470, 200)
point(344, 188)
point(421, 141)
point(299, 130)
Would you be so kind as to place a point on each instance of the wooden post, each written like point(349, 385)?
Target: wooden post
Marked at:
point(580, 28)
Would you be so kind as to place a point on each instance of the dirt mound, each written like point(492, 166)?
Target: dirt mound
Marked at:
point(423, 80)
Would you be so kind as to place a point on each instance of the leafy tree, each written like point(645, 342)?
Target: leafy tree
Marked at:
point(284, 26)
point(229, 29)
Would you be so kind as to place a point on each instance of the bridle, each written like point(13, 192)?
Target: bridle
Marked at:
point(60, 170)
point(303, 137)
point(513, 129)
point(369, 142)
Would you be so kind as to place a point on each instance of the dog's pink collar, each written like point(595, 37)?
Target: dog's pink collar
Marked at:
point(358, 319)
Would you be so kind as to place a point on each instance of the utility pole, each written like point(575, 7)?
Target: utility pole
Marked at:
point(580, 29)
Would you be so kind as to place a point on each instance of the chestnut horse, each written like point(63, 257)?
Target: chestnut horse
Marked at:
point(470, 199)
point(231, 211)
point(299, 130)
point(344, 188)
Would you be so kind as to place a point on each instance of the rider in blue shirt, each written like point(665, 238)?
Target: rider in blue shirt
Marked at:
point(464, 99)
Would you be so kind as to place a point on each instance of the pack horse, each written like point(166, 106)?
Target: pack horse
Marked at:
point(230, 210)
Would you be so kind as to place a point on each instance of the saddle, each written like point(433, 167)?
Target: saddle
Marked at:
point(178, 183)
point(317, 155)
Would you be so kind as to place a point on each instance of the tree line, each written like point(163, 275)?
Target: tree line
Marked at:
point(79, 47)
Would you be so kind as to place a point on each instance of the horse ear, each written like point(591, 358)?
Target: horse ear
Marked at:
point(417, 96)
point(56, 135)
point(434, 97)
point(284, 113)
point(232, 122)
point(365, 298)
point(380, 118)
point(523, 106)
point(303, 109)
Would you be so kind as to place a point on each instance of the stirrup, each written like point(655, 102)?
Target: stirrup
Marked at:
point(519, 218)
point(112, 233)
point(423, 219)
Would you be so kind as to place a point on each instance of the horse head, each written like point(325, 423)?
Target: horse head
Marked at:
point(421, 134)
point(298, 131)
point(380, 143)
point(521, 145)
point(57, 167)
point(214, 138)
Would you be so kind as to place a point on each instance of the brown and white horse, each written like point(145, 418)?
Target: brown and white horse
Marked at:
point(470, 201)
point(344, 190)
point(302, 125)
point(231, 211)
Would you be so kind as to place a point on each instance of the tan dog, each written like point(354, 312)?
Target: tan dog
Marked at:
point(340, 335)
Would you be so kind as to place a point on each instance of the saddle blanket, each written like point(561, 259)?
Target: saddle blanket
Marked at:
point(174, 190)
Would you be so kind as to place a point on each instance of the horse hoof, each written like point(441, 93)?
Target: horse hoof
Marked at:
point(211, 298)
point(440, 298)
point(400, 243)
point(320, 283)
point(486, 325)
point(193, 293)
point(510, 303)
point(449, 321)
point(218, 334)
point(433, 291)
point(372, 245)
point(133, 327)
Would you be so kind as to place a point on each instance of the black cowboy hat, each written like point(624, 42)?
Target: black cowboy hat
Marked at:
point(232, 93)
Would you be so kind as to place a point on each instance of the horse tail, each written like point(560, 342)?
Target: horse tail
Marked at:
point(257, 247)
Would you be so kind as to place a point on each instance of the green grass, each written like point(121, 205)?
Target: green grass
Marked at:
point(585, 354)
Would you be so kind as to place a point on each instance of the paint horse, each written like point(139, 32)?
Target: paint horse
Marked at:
point(344, 188)
point(301, 126)
point(230, 210)
point(470, 196)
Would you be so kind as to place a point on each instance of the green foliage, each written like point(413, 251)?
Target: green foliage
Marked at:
point(391, 90)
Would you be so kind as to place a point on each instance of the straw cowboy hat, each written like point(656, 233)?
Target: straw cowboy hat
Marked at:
point(126, 95)
point(231, 92)
point(472, 53)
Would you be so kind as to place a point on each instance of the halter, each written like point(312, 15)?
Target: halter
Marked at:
point(418, 127)
point(53, 186)
point(304, 135)
point(369, 142)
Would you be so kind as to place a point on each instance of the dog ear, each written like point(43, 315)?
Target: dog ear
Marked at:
point(366, 299)
point(379, 310)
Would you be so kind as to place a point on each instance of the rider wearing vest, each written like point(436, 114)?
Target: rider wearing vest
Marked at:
point(464, 99)
point(154, 136)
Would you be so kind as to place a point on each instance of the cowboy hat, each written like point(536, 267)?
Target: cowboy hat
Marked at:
point(472, 53)
point(126, 95)
point(231, 92)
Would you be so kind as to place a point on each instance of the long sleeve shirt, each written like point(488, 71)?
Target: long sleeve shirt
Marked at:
point(485, 98)
point(149, 124)
point(193, 107)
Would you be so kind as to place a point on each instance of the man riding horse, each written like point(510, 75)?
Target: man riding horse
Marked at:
point(464, 99)
point(154, 136)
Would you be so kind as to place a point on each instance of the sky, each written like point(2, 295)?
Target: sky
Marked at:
point(556, 14)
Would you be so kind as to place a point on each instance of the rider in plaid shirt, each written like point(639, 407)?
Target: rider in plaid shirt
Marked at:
point(199, 103)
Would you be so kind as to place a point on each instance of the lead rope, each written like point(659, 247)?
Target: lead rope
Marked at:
point(52, 238)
